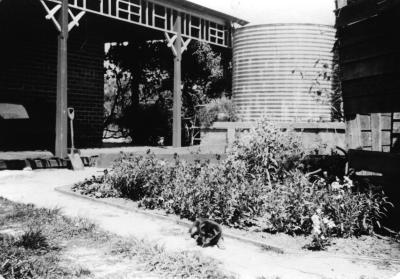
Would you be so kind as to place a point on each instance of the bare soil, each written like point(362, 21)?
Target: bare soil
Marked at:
point(364, 246)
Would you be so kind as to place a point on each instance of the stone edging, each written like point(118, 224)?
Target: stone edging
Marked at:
point(67, 190)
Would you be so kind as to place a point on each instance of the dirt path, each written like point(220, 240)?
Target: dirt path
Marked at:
point(246, 260)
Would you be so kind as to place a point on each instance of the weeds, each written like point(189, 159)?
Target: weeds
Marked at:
point(35, 253)
point(33, 239)
point(17, 261)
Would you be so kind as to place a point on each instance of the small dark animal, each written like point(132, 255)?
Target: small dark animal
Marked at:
point(208, 232)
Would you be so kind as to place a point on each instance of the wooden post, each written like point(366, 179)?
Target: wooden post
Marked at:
point(177, 106)
point(62, 85)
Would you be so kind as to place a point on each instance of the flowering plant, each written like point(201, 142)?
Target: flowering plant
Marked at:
point(321, 230)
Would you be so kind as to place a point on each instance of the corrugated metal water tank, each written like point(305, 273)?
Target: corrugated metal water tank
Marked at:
point(275, 68)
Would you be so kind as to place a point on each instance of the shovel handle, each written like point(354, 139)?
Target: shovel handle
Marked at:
point(71, 113)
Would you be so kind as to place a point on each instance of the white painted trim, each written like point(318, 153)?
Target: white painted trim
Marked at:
point(203, 18)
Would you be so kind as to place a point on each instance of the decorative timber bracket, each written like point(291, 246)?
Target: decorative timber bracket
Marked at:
point(171, 43)
point(51, 15)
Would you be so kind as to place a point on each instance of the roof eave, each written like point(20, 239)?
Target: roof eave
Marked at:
point(202, 9)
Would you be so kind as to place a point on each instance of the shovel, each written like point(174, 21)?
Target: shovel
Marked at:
point(76, 161)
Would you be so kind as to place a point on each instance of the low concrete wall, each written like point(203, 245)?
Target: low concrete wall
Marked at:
point(320, 138)
point(105, 157)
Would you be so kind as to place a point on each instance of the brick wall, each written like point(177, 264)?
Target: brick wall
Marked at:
point(28, 76)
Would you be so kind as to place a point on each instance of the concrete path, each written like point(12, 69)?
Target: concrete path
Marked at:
point(245, 260)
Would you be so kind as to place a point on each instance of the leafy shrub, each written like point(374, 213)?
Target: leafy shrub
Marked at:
point(96, 187)
point(209, 113)
point(269, 152)
point(291, 206)
point(355, 212)
point(137, 177)
point(220, 192)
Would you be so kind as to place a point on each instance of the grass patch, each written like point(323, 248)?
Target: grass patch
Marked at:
point(34, 250)
point(41, 236)
point(33, 239)
point(156, 259)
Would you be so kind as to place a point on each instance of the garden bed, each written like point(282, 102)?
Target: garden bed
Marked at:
point(265, 190)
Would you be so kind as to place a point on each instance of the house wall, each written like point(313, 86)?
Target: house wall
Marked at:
point(370, 65)
point(370, 59)
point(369, 53)
point(28, 76)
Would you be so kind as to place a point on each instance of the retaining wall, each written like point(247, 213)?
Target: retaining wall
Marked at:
point(318, 138)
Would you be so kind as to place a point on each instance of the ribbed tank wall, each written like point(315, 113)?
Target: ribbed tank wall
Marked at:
point(275, 67)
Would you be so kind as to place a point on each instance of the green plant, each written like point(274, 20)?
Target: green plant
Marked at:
point(20, 263)
point(321, 231)
point(268, 152)
point(355, 212)
point(202, 190)
point(208, 114)
point(291, 205)
point(328, 95)
point(96, 187)
point(33, 239)
point(137, 177)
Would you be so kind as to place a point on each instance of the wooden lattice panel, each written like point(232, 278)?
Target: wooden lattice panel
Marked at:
point(157, 16)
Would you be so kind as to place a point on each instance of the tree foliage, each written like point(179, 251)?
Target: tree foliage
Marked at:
point(139, 83)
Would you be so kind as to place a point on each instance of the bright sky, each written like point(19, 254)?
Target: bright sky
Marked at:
point(276, 11)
